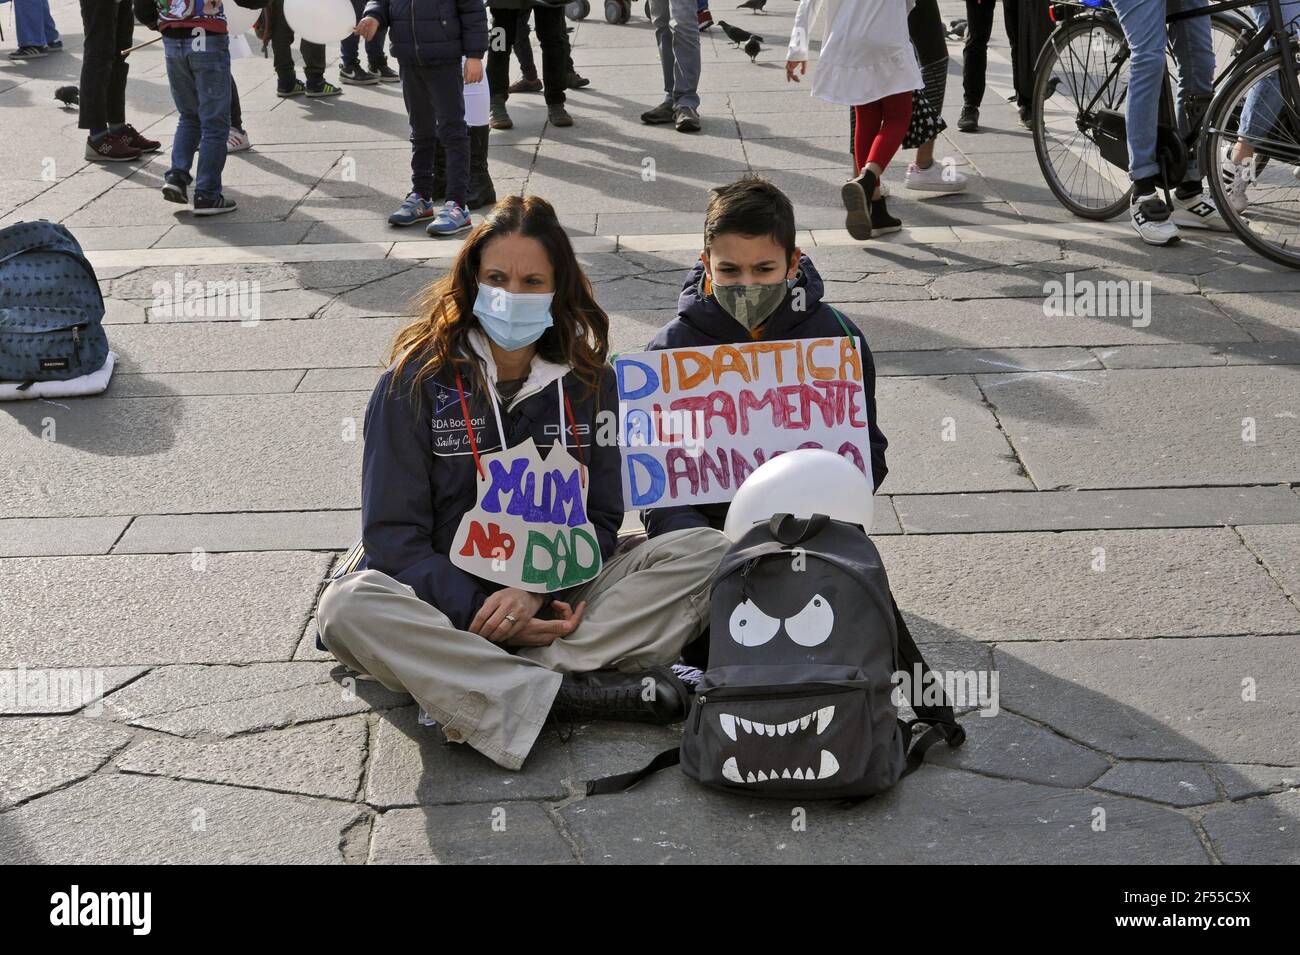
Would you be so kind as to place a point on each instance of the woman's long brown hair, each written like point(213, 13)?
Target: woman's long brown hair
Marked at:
point(438, 340)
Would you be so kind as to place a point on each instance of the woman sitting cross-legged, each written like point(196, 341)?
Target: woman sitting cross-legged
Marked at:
point(510, 348)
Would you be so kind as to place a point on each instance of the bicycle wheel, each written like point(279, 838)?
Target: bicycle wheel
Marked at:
point(1228, 33)
point(1073, 81)
point(1258, 194)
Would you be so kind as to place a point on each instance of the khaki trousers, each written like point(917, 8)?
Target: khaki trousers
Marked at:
point(643, 607)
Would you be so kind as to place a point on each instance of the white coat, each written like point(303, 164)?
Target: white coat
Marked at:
point(866, 52)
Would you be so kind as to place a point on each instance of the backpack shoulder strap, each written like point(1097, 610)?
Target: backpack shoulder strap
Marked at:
point(621, 782)
point(941, 719)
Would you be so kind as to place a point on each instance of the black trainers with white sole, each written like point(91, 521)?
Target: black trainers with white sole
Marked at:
point(213, 205)
point(881, 221)
point(856, 194)
point(1149, 216)
point(176, 192)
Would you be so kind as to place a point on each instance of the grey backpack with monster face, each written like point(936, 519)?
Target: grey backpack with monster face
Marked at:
point(805, 641)
point(797, 701)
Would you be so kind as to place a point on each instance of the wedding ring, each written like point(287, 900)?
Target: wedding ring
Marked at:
point(511, 618)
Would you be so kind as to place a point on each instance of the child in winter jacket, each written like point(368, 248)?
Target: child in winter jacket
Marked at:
point(439, 47)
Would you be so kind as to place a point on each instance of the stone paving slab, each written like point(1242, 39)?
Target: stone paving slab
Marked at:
point(928, 818)
point(1177, 583)
point(1174, 784)
point(90, 611)
point(1162, 699)
point(1081, 510)
point(272, 531)
point(139, 820)
point(1010, 747)
point(59, 536)
point(412, 765)
point(443, 835)
point(1261, 832)
point(320, 759)
point(42, 755)
point(1165, 427)
point(1279, 550)
point(232, 700)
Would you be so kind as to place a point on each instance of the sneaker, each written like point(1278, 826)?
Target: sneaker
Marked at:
point(286, 88)
point(663, 113)
point(1026, 116)
point(499, 118)
point(686, 119)
point(451, 219)
point(29, 53)
point(705, 19)
point(174, 191)
point(575, 81)
point(1151, 220)
point(385, 73)
point(353, 75)
point(881, 221)
point(415, 208)
point(940, 176)
point(969, 120)
point(55, 47)
point(213, 205)
point(1236, 178)
point(856, 194)
point(315, 90)
point(526, 85)
point(111, 147)
point(238, 140)
point(136, 141)
point(1198, 211)
point(557, 115)
point(615, 695)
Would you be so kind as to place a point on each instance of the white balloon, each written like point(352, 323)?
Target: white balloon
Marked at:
point(803, 482)
point(238, 19)
point(320, 21)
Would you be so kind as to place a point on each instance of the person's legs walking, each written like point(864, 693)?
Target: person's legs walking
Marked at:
point(115, 99)
point(502, 36)
point(189, 128)
point(686, 64)
point(974, 61)
point(480, 693)
point(529, 81)
point(287, 82)
point(448, 98)
point(661, 17)
point(211, 71)
point(34, 26)
point(549, 25)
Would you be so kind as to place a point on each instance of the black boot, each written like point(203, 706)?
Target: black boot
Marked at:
point(439, 176)
point(881, 220)
point(612, 695)
point(481, 190)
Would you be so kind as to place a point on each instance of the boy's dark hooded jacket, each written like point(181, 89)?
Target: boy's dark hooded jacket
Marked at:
point(702, 321)
point(418, 476)
point(425, 32)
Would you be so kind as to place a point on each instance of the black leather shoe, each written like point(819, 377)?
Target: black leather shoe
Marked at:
point(613, 695)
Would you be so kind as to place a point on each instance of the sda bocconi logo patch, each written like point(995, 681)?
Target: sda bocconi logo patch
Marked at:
point(75, 907)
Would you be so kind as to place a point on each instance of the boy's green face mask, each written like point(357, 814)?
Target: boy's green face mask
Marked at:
point(751, 304)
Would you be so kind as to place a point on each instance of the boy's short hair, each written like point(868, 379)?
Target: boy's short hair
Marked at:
point(750, 206)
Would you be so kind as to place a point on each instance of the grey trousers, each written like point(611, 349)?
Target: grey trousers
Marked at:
point(645, 605)
point(679, 49)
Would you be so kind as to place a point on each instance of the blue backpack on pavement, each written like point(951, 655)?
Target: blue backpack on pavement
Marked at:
point(51, 308)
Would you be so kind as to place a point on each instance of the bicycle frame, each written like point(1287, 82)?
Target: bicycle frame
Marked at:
point(1256, 46)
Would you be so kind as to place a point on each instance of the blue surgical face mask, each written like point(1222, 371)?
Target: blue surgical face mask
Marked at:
point(513, 320)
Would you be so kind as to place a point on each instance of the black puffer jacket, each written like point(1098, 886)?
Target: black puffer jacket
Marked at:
point(425, 32)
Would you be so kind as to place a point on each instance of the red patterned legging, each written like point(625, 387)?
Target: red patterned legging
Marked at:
point(879, 129)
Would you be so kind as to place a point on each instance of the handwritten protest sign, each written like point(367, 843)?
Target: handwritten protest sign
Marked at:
point(695, 422)
point(529, 527)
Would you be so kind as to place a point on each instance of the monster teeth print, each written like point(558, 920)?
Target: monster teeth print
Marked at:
point(730, 722)
point(828, 767)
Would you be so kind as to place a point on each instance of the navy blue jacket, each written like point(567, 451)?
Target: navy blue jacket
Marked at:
point(425, 32)
point(413, 495)
point(702, 321)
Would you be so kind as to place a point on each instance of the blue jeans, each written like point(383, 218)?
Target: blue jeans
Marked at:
point(1143, 22)
point(679, 49)
point(34, 24)
point(200, 83)
point(1264, 100)
point(350, 48)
